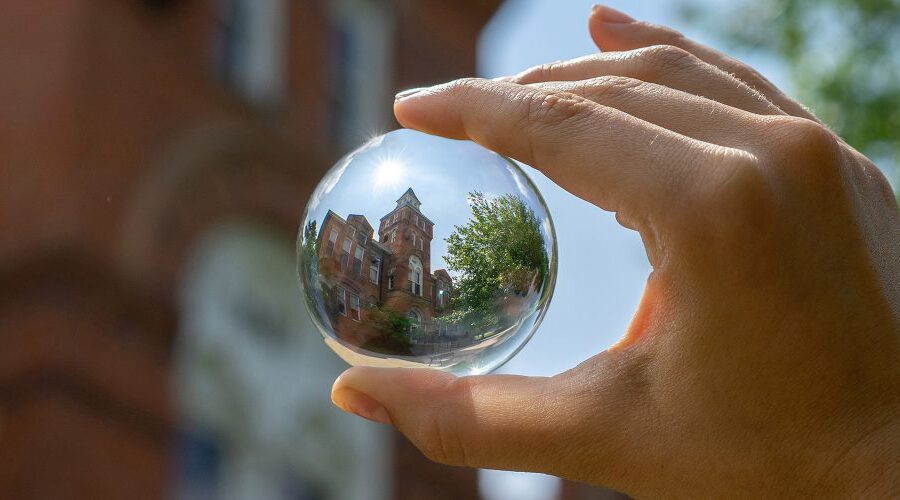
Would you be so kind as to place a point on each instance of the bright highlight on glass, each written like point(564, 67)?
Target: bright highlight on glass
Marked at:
point(419, 251)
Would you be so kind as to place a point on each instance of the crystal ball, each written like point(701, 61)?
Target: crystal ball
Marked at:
point(420, 251)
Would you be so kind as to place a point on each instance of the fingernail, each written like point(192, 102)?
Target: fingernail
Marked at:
point(360, 404)
point(611, 15)
point(407, 93)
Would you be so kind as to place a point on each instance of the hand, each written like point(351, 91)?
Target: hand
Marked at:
point(764, 358)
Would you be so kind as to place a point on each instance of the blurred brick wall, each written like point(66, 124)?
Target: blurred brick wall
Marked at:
point(117, 148)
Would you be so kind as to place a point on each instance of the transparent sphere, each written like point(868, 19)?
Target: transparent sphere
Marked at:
point(420, 251)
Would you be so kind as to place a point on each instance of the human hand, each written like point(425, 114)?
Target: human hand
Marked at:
point(764, 357)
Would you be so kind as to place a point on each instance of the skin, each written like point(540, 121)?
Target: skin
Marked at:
point(764, 357)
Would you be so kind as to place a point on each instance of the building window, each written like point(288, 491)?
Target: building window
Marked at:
point(342, 301)
point(390, 280)
point(393, 235)
point(415, 275)
point(416, 219)
point(345, 254)
point(361, 41)
point(332, 239)
point(251, 49)
point(354, 306)
point(374, 269)
point(421, 244)
point(362, 237)
point(414, 239)
point(440, 293)
point(415, 321)
point(358, 260)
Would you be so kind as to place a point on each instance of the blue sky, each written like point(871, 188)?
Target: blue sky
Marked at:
point(602, 266)
point(440, 171)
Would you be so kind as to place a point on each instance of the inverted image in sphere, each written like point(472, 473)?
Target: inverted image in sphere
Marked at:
point(420, 251)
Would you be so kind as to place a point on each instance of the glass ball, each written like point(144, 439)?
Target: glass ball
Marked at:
point(420, 251)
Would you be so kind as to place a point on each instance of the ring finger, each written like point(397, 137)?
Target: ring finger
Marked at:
point(687, 114)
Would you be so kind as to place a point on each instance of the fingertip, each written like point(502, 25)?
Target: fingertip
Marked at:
point(436, 110)
point(607, 14)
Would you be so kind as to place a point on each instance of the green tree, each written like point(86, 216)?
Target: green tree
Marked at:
point(842, 57)
point(393, 327)
point(498, 252)
point(308, 249)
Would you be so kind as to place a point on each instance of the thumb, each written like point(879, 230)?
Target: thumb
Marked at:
point(493, 421)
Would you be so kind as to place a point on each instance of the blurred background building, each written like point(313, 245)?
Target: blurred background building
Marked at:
point(155, 157)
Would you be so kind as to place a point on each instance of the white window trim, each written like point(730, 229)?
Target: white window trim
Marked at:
point(342, 299)
point(375, 264)
point(355, 297)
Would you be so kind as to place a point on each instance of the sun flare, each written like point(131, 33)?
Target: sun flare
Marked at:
point(389, 173)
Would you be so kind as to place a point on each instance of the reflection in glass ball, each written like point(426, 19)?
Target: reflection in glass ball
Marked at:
point(420, 251)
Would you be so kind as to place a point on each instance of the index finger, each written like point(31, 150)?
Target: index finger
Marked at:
point(603, 155)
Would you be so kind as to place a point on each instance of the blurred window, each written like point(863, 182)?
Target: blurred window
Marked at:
point(332, 240)
point(345, 254)
point(358, 260)
point(415, 321)
point(354, 306)
point(390, 280)
point(342, 301)
point(251, 48)
point(415, 275)
point(374, 269)
point(360, 79)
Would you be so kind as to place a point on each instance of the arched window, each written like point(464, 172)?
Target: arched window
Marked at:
point(415, 321)
point(415, 275)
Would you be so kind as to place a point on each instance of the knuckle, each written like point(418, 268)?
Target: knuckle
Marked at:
point(547, 70)
point(437, 438)
point(663, 58)
point(812, 151)
point(555, 108)
point(614, 85)
point(540, 73)
point(741, 188)
point(804, 135)
point(466, 85)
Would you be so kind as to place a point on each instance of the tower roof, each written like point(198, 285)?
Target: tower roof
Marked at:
point(409, 198)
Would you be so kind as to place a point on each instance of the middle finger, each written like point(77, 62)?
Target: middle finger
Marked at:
point(662, 64)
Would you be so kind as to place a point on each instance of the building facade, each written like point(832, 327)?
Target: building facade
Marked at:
point(394, 272)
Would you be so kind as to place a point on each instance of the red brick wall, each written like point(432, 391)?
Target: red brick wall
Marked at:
point(118, 149)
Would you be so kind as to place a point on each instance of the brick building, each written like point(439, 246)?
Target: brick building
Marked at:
point(156, 156)
point(392, 272)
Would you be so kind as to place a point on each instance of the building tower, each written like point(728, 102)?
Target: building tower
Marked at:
point(408, 285)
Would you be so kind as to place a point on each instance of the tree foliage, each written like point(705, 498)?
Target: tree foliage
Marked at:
point(393, 328)
point(309, 251)
point(843, 57)
point(498, 252)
